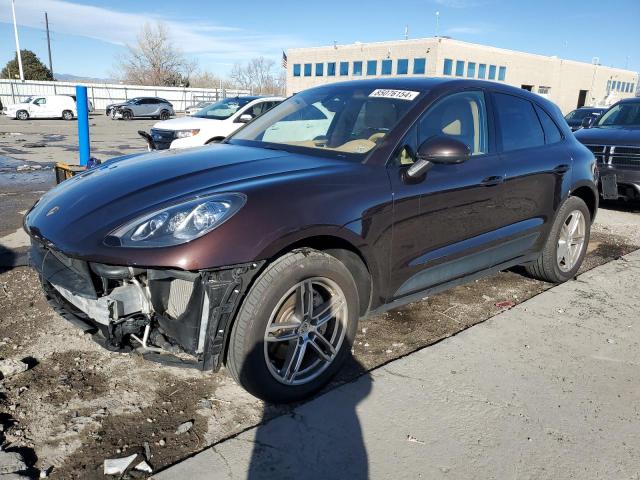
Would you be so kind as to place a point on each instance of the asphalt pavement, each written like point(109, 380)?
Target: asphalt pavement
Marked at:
point(548, 389)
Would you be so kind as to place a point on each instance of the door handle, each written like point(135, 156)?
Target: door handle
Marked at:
point(492, 181)
point(561, 169)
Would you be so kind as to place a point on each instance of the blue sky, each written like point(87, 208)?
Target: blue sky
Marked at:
point(89, 34)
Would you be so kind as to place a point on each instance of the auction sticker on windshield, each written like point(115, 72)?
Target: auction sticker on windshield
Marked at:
point(400, 94)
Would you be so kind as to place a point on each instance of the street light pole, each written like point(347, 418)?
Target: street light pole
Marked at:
point(15, 31)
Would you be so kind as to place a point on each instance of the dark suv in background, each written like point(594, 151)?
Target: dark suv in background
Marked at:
point(575, 117)
point(262, 252)
point(614, 138)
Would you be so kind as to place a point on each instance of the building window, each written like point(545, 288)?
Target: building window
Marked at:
point(403, 66)
point(502, 72)
point(372, 67)
point(357, 68)
point(331, 69)
point(492, 72)
point(419, 66)
point(296, 69)
point(482, 71)
point(471, 69)
point(608, 86)
point(344, 69)
point(307, 69)
point(319, 69)
point(386, 67)
point(459, 68)
point(448, 65)
point(543, 90)
point(633, 87)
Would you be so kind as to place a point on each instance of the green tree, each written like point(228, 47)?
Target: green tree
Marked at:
point(33, 68)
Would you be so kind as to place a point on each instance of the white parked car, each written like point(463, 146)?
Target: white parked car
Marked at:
point(191, 109)
point(211, 124)
point(45, 106)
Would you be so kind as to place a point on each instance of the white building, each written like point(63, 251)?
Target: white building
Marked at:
point(568, 83)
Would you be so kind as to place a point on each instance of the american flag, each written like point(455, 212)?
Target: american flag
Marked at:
point(284, 60)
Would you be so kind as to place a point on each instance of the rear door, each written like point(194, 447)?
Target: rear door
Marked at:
point(537, 163)
point(445, 225)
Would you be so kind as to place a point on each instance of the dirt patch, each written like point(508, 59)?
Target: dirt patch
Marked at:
point(79, 404)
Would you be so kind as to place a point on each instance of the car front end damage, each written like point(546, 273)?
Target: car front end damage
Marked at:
point(171, 316)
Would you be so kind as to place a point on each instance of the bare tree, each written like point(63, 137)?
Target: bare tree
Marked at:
point(259, 75)
point(154, 60)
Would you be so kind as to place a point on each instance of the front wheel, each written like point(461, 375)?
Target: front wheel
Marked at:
point(22, 115)
point(127, 115)
point(295, 327)
point(566, 245)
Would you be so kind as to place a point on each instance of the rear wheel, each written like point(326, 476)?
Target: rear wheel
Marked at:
point(22, 115)
point(164, 115)
point(67, 115)
point(566, 245)
point(295, 327)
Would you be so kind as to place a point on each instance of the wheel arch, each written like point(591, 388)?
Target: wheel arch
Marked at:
point(587, 194)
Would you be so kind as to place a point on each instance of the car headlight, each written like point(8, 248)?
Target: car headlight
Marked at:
point(187, 133)
point(178, 223)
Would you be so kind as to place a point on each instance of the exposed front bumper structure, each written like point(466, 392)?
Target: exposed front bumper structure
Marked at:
point(161, 312)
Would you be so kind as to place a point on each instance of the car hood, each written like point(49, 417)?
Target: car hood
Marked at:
point(76, 215)
point(609, 136)
point(184, 123)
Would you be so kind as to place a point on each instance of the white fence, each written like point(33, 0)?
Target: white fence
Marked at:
point(102, 94)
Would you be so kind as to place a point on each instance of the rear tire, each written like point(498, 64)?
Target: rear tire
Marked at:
point(278, 298)
point(566, 245)
point(67, 115)
point(164, 115)
point(22, 115)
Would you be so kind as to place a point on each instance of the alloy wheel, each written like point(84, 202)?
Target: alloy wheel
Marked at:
point(306, 331)
point(571, 240)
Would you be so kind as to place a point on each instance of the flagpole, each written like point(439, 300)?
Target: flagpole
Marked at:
point(15, 31)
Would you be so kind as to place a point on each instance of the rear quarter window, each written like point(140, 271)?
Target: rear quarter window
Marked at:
point(551, 132)
point(519, 124)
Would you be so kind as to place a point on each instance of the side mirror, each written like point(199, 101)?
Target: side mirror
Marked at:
point(588, 121)
point(442, 150)
point(245, 118)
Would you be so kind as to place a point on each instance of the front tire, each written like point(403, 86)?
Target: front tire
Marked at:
point(295, 327)
point(127, 115)
point(566, 245)
point(22, 115)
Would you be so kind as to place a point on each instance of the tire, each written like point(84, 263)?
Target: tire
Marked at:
point(276, 291)
point(127, 115)
point(549, 267)
point(164, 115)
point(67, 115)
point(22, 115)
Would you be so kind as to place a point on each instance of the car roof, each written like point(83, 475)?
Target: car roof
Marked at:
point(629, 100)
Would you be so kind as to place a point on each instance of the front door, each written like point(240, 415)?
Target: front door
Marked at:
point(444, 225)
point(39, 108)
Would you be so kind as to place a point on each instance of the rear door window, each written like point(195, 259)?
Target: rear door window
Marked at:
point(519, 126)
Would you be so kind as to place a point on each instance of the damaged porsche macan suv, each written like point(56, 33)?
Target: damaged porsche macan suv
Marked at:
point(262, 252)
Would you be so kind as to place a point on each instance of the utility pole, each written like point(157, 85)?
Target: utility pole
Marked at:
point(437, 24)
point(406, 32)
point(46, 22)
point(15, 31)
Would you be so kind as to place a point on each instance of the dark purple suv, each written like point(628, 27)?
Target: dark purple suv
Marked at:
point(263, 252)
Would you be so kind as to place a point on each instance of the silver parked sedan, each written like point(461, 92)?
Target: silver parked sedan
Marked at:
point(141, 107)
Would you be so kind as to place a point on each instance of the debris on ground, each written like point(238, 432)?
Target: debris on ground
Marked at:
point(143, 467)
point(184, 427)
point(11, 462)
point(412, 439)
point(9, 368)
point(505, 304)
point(116, 466)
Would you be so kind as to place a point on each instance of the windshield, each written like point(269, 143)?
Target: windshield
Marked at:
point(621, 115)
point(350, 119)
point(28, 99)
point(580, 114)
point(223, 109)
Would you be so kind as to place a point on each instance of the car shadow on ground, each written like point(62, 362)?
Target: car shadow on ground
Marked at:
point(319, 439)
point(630, 206)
